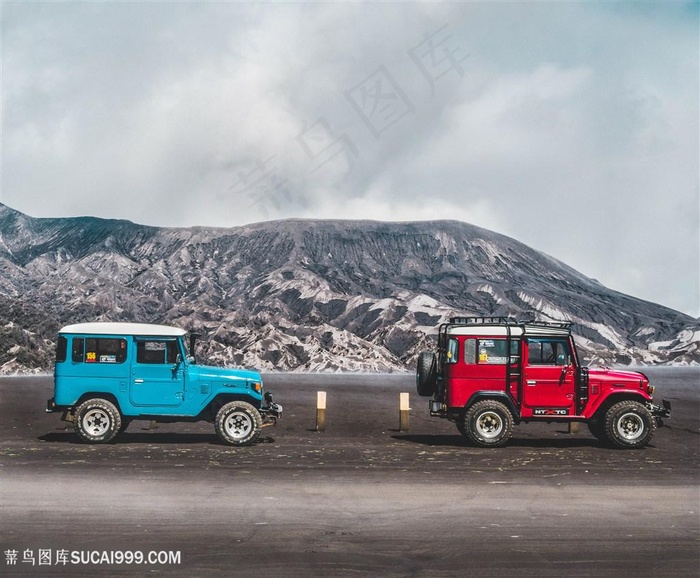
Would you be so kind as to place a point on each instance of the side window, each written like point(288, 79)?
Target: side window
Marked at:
point(452, 351)
point(156, 352)
point(104, 350)
point(548, 352)
point(173, 352)
point(61, 349)
point(495, 351)
point(470, 351)
point(77, 349)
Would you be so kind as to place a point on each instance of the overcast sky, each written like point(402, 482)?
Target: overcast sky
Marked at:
point(571, 127)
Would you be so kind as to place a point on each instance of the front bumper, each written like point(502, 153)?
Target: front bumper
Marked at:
point(660, 413)
point(270, 413)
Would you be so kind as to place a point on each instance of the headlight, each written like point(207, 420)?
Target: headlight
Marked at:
point(650, 389)
point(256, 386)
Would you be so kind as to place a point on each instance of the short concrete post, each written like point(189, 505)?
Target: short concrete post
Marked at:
point(573, 427)
point(320, 411)
point(153, 425)
point(403, 411)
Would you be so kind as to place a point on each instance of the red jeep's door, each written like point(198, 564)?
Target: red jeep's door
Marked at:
point(548, 377)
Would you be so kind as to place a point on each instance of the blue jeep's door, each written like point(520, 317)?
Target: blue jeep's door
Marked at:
point(157, 378)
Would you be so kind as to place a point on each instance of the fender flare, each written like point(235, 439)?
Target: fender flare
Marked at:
point(500, 396)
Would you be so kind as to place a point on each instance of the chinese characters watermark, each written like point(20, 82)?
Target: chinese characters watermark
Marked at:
point(379, 101)
point(436, 56)
point(321, 145)
point(263, 185)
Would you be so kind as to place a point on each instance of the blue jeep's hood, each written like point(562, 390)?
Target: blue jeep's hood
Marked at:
point(206, 373)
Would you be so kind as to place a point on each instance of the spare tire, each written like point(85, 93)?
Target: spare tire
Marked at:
point(426, 374)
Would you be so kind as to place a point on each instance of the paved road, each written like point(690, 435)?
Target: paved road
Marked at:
point(361, 499)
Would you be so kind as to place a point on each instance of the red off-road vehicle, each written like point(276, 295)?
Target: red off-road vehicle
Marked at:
point(492, 372)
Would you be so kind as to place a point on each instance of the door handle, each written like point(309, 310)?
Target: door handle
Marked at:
point(531, 382)
point(138, 381)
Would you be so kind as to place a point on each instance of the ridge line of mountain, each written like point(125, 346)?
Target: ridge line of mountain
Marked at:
point(299, 294)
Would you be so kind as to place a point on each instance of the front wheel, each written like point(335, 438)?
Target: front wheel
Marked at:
point(488, 424)
point(238, 423)
point(97, 421)
point(628, 424)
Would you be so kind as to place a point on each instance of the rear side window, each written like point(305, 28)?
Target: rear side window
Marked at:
point(495, 351)
point(452, 354)
point(61, 349)
point(78, 349)
point(105, 350)
point(470, 351)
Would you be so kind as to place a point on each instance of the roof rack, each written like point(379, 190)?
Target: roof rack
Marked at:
point(557, 324)
point(497, 320)
point(483, 320)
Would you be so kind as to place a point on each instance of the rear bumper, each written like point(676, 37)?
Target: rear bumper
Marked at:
point(51, 407)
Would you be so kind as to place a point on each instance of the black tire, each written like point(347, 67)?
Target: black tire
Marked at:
point(628, 424)
point(488, 424)
point(97, 421)
point(426, 374)
point(238, 423)
point(597, 429)
point(459, 422)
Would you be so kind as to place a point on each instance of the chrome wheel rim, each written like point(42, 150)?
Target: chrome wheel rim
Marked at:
point(489, 424)
point(96, 422)
point(238, 425)
point(630, 426)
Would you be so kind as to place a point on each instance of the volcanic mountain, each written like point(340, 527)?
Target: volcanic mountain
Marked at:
point(307, 295)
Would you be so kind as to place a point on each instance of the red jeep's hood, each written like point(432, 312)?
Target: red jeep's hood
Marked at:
point(617, 375)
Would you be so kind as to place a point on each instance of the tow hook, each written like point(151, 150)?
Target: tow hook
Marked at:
point(272, 412)
point(660, 413)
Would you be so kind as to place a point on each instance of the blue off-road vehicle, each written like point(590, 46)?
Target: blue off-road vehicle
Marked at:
point(108, 374)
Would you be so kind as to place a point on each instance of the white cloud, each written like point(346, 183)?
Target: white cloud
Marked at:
point(571, 127)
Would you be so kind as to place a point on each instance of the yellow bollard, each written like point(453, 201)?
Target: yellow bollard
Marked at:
point(403, 411)
point(321, 411)
point(573, 427)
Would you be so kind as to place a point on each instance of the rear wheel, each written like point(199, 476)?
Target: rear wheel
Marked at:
point(460, 426)
point(426, 374)
point(238, 423)
point(97, 421)
point(488, 423)
point(628, 424)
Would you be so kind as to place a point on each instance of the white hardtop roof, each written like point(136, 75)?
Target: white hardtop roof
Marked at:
point(109, 328)
point(478, 330)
